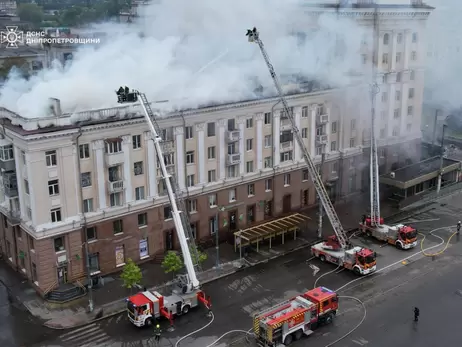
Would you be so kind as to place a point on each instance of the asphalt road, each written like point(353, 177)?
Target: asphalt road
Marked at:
point(238, 296)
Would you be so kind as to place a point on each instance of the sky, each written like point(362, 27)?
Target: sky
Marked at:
point(193, 53)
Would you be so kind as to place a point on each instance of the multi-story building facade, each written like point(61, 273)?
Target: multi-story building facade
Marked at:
point(97, 181)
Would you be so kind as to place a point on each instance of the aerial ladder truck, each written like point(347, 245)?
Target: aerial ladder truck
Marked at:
point(400, 235)
point(147, 306)
point(337, 249)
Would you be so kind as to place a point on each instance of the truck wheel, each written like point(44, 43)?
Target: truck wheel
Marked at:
point(298, 335)
point(322, 257)
point(149, 322)
point(288, 340)
point(356, 271)
point(185, 309)
point(399, 245)
point(329, 319)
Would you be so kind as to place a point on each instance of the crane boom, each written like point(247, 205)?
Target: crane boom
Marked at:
point(254, 36)
point(180, 218)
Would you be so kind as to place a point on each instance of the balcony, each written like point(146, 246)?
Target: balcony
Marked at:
point(10, 184)
point(14, 217)
point(285, 124)
point(170, 170)
point(116, 186)
point(7, 165)
point(321, 139)
point(234, 135)
point(234, 159)
point(322, 119)
point(286, 146)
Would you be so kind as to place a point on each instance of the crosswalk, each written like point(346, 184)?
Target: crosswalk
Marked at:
point(88, 336)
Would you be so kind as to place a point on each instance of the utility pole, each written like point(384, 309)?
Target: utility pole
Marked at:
point(435, 121)
point(321, 209)
point(217, 237)
point(90, 280)
point(440, 175)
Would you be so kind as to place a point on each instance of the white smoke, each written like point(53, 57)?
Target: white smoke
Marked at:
point(161, 53)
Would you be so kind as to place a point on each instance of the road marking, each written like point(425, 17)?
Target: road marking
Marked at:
point(420, 221)
point(79, 329)
point(315, 269)
point(88, 336)
point(361, 341)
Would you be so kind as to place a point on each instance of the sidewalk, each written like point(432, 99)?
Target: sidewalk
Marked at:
point(109, 299)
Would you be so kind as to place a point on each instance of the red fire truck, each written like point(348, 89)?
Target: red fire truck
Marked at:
point(288, 321)
point(399, 235)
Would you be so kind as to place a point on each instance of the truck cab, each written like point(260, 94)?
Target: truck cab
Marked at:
point(326, 302)
point(407, 235)
point(361, 260)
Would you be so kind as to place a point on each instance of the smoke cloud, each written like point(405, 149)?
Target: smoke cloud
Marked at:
point(195, 53)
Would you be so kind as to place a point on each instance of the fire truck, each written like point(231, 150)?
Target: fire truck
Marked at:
point(145, 307)
point(288, 321)
point(360, 260)
point(400, 235)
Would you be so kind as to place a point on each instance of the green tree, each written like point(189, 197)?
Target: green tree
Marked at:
point(131, 274)
point(30, 13)
point(172, 263)
point(198, 256)
point(13, 62)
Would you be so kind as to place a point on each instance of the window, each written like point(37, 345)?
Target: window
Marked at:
point(398, 57)
point(193, 227)
point(304, 111)
point(53, 187)
point(84, 151)
point(286, 156)
point(210, 129)
point(384, 96)
point(231, 124)
point(268, 162)
point(353, 124)
point(232, 171)
point(267, 117)
point(59, 244)
point(136, 141)
point(211, 152)
point(85, 179)
point(333, 127)
point(412, 75)
point(319, 150)
point(335, 167)
point(398, 77)
point(414, 37)
point(91, 233)
point(305, 175)
point(385, 58)
point(268, 184)
point(51, 159)
point(251, 214)
point(395, 131)
point(31, 242)
point(286, 179)
point(333, 146)
point(19, 233)
point(409, 128)
point(167, 212)
point(398, 95)
point(268, 141)
point(115, 199)
point(190, 157)
point(268, 208)
point(382, 133)
point(55, 215)
point(192, 206)
point(93, 263)
point(188, 132)
point(382, 152)
point(352, 142)
point(232, 195)
point(249, 123)
point(364, 58)
point(413, 55)
point(399, 38)
point(212, 200)
point(211, 176)
point(249, 144)
point(396, 113)
point(169, 160)
point(305, 133)
point(386, 38)
point(138, 168)
point(410, 110)
point(249, 166)
point(87, 205)
point(139, 193)
point(34, 272)
point(113, 146)
point(142, 219)
point(411, 93)
point(251, 189)
point(26, 186)
point(213, 225)
point(190, 180)
point(117, 227)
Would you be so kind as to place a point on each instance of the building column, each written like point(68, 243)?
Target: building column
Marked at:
point(20, 181)
point(391, 108)
point(201, 152)
point(222, 148)
point(128, 168)
point(312, 149)
point(98, 148)
point(329, 136)
point(392, 41)
point(180, 169)
point(276, 138)
point(241, 124)
point(32, 201)
point(259, 119)
point(152, 166)
point(297, 149)
point(404, 102)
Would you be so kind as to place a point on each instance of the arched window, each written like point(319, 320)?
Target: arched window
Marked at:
point(386, 37)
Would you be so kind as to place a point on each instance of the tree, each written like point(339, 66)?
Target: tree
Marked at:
point(198, 256)
point(13, 62)
point(131, 274)
point(30, 13)
point(172, 263)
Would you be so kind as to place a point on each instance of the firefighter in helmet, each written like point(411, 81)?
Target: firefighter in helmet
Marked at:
point(157, 333)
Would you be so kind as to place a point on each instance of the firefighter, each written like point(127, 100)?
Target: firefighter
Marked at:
point(458, 227)
point(416, 314)
point(120, 91)
point(157, 333)
point(127, 90)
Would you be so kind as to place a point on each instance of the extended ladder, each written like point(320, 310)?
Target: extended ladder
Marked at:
point(253, 36)
point(179, 199)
